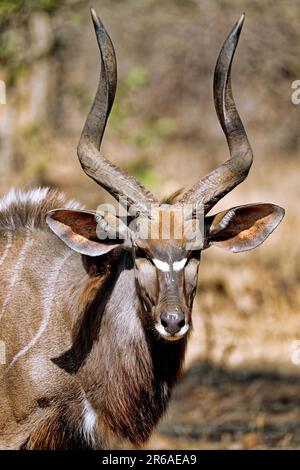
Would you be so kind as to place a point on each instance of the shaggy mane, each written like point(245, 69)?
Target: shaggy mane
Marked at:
point(20, 209)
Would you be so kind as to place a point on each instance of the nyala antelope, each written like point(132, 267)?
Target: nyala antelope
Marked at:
point(95, 327)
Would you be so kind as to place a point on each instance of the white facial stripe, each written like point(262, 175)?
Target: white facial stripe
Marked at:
point(161, 265)
point(178, 265)
point(165, 267)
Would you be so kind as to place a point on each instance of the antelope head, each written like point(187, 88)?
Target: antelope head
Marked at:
point(165, 240)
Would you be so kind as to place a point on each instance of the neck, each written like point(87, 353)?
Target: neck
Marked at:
point(127, 372)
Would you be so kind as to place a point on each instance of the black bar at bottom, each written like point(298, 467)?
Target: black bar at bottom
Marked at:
point(138, 459)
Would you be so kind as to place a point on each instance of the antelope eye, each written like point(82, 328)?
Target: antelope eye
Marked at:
point(194, 255)
point(139, 253)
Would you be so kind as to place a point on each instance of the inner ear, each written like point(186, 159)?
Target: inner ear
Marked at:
point(243, 227)
point(80, 231)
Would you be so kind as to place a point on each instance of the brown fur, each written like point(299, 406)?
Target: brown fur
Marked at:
point(97, 344)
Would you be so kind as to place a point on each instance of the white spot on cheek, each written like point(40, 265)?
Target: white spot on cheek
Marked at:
point(178, 265)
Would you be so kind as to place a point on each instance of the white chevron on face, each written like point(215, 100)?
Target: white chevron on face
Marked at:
point(178, 265)
point(165, 267)
point(161, 265)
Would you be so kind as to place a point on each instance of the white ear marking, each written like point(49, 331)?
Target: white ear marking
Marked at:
point(178, 265)
point(227, 218)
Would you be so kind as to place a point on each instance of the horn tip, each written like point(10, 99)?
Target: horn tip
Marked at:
point(241, 21)
point(95, 17)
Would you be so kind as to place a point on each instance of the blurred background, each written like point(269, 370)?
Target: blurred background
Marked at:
point(241, 387)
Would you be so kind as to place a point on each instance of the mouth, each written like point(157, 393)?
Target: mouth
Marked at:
point(168, 336)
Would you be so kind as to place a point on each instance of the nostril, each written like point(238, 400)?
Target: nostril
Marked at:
point(172, 322)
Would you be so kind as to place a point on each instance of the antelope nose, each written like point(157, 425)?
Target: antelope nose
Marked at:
point(172, 322)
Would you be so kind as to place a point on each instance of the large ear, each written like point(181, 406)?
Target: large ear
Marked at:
point(242, 228)
point(81, 231)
